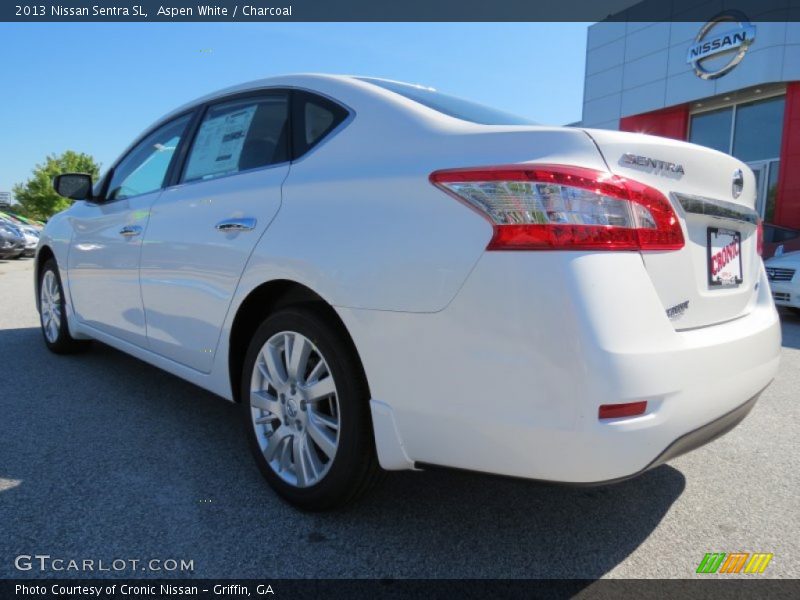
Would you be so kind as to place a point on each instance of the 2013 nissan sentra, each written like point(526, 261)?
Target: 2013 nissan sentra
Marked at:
point(385, 276)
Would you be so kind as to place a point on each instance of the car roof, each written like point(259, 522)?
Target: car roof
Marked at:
point(359, 94)
point(341, 88)
point(309, 81)
point(354, 91)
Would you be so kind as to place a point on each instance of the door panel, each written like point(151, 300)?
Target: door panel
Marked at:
point(103, 265)
point(190, 268)
point(202, 231)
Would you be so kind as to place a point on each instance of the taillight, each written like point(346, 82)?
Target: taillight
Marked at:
point(554, 207)
point(760, 237)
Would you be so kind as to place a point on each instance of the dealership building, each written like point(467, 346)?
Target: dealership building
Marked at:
point(724, 82)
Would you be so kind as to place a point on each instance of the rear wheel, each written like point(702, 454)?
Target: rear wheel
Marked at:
point(53, 313)
point(305, 406)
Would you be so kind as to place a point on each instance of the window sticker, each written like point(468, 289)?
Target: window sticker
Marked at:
point(219, 144)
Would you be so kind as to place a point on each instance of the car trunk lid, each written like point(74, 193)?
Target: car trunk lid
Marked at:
point(714, 277)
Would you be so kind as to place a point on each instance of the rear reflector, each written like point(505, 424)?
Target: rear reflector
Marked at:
point(556, 207)
point(616, 411)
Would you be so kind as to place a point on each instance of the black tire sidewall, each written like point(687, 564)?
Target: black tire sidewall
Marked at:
point(64, 343)
point(355, 438)
point(63, 329)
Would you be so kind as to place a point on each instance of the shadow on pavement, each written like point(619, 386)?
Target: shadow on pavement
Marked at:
point(103, 456)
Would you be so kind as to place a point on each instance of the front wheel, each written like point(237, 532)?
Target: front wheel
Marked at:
point(305, 405)
point(53, 313)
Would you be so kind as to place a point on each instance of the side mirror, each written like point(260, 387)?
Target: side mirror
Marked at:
point(75, 186)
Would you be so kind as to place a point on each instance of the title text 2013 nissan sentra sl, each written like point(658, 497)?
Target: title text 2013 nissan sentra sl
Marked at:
point(384, 276)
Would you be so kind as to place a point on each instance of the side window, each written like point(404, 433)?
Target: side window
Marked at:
point(314, 117)
point(144, 168)
point(240, 135)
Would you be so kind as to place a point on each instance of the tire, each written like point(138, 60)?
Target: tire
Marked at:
point(53, 313)
point(289, 419)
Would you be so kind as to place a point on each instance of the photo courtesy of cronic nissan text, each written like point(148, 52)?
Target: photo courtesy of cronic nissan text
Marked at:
point(433, 299)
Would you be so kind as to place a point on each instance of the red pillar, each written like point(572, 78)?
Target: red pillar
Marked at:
point(670, 122)
point(787, 203)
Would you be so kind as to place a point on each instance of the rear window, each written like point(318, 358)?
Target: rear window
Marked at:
point(452, 106)
point(314, 118)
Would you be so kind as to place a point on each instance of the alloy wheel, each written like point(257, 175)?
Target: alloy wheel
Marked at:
point(294, 409)
point(50, 306)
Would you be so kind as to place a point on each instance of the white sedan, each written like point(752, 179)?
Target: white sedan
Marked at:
point(784, 279)
point(384, 276)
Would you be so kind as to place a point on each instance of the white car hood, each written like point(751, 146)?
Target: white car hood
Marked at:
point(790, 259)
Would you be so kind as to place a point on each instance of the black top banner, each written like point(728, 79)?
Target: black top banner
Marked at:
point(392, 10)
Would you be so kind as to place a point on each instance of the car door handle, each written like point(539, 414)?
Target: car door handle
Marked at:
point(245, 224)
point(130, 231)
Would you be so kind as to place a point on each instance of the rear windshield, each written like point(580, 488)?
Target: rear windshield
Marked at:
point(450, 105)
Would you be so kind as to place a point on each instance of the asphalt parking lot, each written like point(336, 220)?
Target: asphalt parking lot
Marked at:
point(104, 457)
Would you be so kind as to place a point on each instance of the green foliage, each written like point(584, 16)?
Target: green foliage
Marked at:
point(37, 198)
point(18, 209)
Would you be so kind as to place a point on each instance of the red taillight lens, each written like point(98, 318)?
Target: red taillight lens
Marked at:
point(554, 207)
point(760, 237)
point(616, 411)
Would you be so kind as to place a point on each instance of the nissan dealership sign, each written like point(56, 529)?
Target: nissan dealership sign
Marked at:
point(721, 44)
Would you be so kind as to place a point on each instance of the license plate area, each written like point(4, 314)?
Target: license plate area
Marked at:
point(724, 251)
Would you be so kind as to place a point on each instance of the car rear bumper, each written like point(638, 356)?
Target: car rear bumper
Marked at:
point(686, 443)
point(509, 377)
point(705, 434)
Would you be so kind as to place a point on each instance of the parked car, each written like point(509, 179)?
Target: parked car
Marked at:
point(784, 279)
point(382, 275)
point(12, 242)
point(31, 241)
point(19, 220)
point(778, 240)
point(29, 234)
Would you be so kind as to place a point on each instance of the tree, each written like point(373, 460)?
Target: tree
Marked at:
point(37, 196)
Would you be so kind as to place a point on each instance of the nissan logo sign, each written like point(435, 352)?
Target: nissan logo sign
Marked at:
point(721, 44)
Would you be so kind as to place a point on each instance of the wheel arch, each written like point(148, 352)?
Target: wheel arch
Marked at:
point(44, 254)
point(263, 301)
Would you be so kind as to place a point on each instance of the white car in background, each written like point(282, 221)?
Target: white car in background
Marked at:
point(30, 235)
point(31, 240)
point(385, 276)
point(783, 273)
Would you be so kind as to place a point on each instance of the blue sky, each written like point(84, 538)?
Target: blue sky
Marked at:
point(93, 87)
